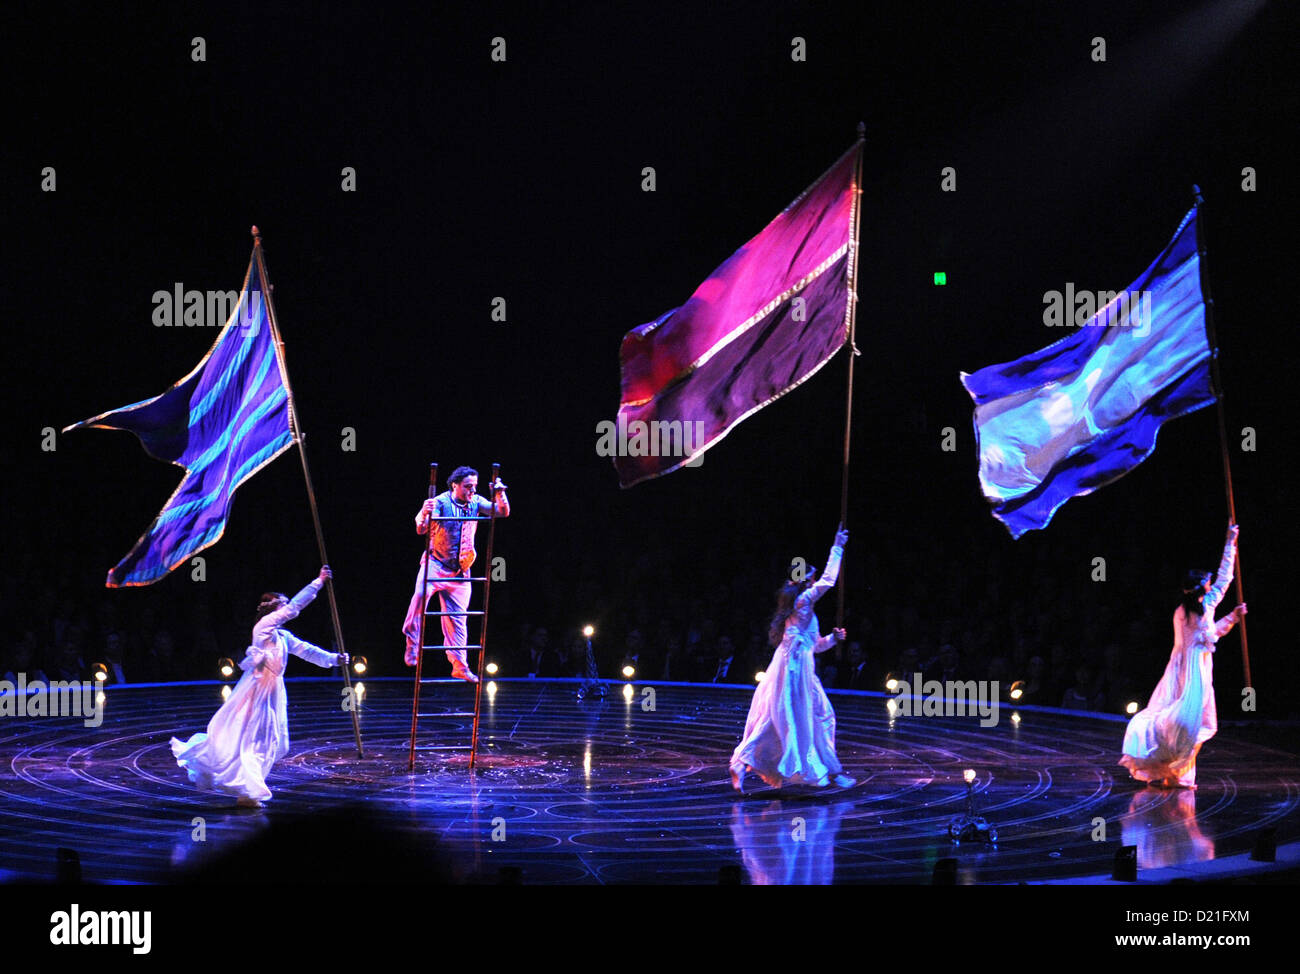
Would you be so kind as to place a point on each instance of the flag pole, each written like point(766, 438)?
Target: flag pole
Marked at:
point(298, 438)
point(853, 351)
point(1223, 426)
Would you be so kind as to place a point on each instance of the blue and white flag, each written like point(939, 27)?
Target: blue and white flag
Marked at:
point(222, 423)
point(1086, 410)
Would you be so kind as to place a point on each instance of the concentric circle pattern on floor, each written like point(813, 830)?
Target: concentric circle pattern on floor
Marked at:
point(624, 790)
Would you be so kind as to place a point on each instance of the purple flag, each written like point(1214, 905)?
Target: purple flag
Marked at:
point(767, 319)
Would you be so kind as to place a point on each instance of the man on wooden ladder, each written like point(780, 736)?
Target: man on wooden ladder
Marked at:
point(453, 553)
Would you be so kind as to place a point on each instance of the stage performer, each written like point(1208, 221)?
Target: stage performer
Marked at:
point(790, 732)
point(251, 730)
point(1162, 741)
point(453, 554)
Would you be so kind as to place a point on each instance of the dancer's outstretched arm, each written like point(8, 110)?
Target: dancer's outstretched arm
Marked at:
point(826, 642)
point(312, 653)
point(826, 581)
point(1222, 578)
point(1224, 625)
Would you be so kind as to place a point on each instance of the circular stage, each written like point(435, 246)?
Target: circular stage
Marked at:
point(630, 789)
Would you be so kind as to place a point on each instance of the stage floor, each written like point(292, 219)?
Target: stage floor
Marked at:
point(611, 792)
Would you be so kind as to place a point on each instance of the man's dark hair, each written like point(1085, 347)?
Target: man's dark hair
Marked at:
point(460, 473)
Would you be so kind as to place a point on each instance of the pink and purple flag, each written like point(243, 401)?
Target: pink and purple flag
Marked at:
point(764, 321)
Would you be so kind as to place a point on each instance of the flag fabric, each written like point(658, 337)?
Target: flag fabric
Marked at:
point(222, 423)
point(1086, 410)
point(764, 321)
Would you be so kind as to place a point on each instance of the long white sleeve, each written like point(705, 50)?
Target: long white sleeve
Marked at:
point(1222, 578)
point(299, 602)
point(826, 581)
point(311, 653)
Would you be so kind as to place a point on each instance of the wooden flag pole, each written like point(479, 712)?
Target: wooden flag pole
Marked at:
point(1223, 426)
point(853, 351)
point(298, 437)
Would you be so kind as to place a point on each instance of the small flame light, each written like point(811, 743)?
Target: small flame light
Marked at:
point(629, 671)
point(226, 666)
point(891, 683)
point(492, 669)
point(101, 672)
point(1132, 707)
point(969, 775)
point(358, 665)
point(1017, 690)
point(758, 677)
point(589, 631)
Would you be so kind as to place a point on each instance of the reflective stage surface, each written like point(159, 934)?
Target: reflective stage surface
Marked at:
point(629, 789)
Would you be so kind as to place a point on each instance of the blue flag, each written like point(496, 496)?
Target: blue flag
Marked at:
point(1086, 410)
point(223, 422)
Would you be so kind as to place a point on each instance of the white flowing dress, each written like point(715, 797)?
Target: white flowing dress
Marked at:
point(790, 732)
point(1162, 741)
point(251, 730)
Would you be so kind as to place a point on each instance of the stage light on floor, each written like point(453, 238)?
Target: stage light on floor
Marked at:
point(628, 692)
point(225, 692)
point(360, 689)
point(588, 631)
point(100, 697)
point(969, 827)
point(892, 706)
point(358, 665)
point(758, 677)
point(629, 671)
point(491, 689)
point(1015, 718)
point(945, 873)
point(226, 667)
point(492, 669)
point(1125, 867)
point(1017, 690)
point(1265, 849)
point(1132, 708)
point(100, 671)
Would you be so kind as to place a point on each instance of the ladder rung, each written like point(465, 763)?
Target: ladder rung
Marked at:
point(448, 646)
point(451, 713)
point(447, 747)
point(440, 680)
point(476, 613)
point(471, 517)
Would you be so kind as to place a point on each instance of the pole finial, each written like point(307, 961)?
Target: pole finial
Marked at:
point(862, 131)
point(257, 234)
point(1196, 194)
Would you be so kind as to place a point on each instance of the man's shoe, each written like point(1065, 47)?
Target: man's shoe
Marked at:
point(843, 781)
point(463, 673)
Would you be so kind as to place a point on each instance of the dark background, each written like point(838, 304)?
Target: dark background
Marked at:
point(523, 180)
